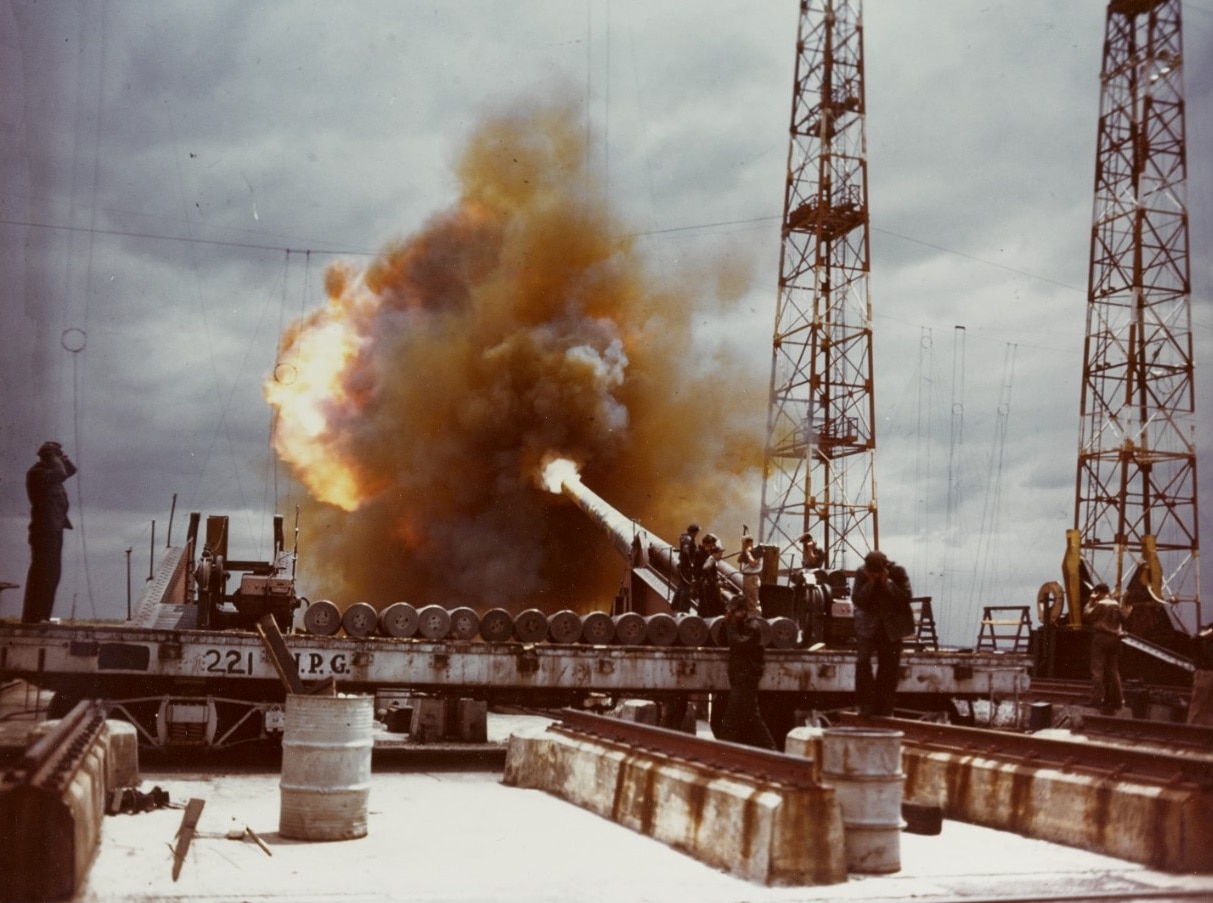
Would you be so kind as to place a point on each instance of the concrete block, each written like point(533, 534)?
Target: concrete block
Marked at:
point(429, 719)
point(471, 721)
point(51, 838)
point(764, 833)
point(1164, 828)
point(122, 754)
point(641, 711)
point(805, 742)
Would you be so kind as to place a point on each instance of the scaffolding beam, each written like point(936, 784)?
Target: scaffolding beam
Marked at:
point(819, 473)
point(1136, 482)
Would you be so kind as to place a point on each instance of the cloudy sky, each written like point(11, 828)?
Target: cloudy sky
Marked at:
point(184, 182)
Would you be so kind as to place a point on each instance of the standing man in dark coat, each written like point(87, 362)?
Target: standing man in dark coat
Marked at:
point(1106, 617)
point(711, 601)
point(883, 618)
point(48, 519)
point(742, 718)
point(687, 569)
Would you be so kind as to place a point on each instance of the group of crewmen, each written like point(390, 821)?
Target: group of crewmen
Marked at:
point(883, 618)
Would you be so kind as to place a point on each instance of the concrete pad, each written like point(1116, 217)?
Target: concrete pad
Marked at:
point(445, 834)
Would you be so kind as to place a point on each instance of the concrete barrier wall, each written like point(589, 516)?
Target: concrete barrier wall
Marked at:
point(1165, 828)
point(763, 833)
point(48, 839)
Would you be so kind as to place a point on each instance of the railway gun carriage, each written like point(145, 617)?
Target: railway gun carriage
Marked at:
point(190, 669)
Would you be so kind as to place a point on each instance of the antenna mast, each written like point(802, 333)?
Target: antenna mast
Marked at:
point(819, 471)
point(1136, 485)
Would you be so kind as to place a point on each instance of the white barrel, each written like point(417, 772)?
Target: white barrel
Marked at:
point(863, 765)
point(326, 767)
point(360, 619)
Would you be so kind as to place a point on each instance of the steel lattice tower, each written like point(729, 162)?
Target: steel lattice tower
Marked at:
point(820, 449)
point(1136, 485)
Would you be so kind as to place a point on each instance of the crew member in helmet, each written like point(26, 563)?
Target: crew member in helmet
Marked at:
point(687, 569)
point(711, 600)
point(743, 721)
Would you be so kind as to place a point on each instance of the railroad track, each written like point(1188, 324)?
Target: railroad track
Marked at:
point(1150, 766)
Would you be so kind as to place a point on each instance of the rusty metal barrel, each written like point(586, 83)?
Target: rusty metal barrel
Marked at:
point(630, 629)
point(433, 622)
point(716, 631)
point(693, 631)
point(564, 627)
point(322, 618)
point(496, 626)
point(398, 620)
point(326, 767)
point(660, 629)
point(465, 623)
point(597, 629)
point(360, 619)
point(863, 765)
point(530, 626)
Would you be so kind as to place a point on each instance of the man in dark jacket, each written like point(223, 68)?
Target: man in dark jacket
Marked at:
point(687, 570)
point(1106, 617)
point(48, 519)
point(711, 600)
point(742, 719)
point(883, 618)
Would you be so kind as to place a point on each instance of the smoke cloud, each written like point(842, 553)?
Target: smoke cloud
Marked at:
point(419, 404)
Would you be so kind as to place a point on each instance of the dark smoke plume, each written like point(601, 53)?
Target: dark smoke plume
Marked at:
point(427, 392)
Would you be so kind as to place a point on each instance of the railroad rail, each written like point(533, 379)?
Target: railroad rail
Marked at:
point(1169, 733)
point(1116, 762)
point(772, 767)
point(50, 762)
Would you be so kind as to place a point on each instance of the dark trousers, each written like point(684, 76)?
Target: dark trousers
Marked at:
point(1105, 671)
point(45, 566)
point(875, 695)
point(682, 597)
point(742, 720)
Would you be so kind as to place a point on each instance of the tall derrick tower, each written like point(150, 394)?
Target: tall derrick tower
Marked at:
point(820, 448)
point(1136, 497)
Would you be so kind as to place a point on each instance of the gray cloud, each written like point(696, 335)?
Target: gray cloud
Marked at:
point(158, 160)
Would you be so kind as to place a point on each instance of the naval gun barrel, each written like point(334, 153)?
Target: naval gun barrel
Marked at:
point(636, 544)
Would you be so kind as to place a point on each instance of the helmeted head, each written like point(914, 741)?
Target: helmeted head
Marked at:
point(711, 539)
point(876, 561)
point(48, 450)
point(692, 528)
